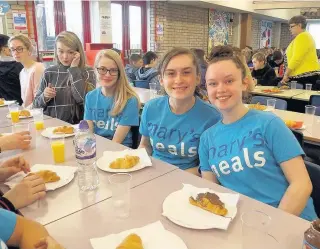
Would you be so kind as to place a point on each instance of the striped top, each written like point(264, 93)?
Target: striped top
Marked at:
point(71, 84)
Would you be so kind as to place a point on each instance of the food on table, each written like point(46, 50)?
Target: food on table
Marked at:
point(132, 241)
point(47, 175)
point(1, 101)
point(272, 90)
point(64, 129)
point(284, 87)
point(257, 106)
point(294, 124)
point(209, 202)
point(126, 162)
point(24, 113)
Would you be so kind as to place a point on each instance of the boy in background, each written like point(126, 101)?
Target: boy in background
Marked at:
point(135, 62)
point(264, 74)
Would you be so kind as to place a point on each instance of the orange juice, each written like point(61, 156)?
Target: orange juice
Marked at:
point(14, 116)
point(39, 125)
point(58, 151)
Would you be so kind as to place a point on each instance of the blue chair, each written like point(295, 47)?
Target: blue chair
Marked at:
point(280, 103)
point(141, 84)
point(314, 173)
point(299, 86)
point(317, 113)
point(315, 100)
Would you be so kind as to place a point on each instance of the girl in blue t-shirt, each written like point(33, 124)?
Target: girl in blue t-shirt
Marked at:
point(112, 108)
point(171, 125)
point(249, 151)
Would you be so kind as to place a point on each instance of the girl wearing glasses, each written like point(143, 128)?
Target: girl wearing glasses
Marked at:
point(112, 108)
point(171, 125)
point(64, 86)
point(250, 151)
point(30, 76)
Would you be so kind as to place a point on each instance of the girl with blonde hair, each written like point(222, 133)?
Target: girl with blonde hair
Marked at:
point(112, 108)
point(64, 86)
point(30, 76)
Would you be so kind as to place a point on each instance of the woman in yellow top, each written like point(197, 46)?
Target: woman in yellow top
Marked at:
point(302, 62)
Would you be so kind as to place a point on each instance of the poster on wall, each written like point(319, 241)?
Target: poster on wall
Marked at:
point(105, 22)
point(19, 20)
point(265, 34)
point(219, 22)
point(4, 7)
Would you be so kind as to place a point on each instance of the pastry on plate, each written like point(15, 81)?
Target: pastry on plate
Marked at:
point(293, 124)
point(1, 101)
point(126, 162)
point(24, 113)
point(209, 202)
point(257, 106)
point(132, 241)
point(64, 129)
point(47, 175)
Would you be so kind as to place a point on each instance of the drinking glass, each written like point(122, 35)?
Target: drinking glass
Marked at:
point(14, 112)
point(271, 104)
point(58, 147)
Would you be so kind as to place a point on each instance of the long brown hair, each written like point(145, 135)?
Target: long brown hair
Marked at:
point(123, 91)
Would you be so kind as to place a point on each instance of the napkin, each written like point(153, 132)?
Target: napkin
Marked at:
point(153, 236)
point(66, 174)
point(177, 208)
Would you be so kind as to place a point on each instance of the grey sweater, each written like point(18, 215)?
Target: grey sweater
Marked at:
point(71, 84)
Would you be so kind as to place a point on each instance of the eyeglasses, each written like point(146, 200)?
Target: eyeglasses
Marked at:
point(292, 26)
point(18, 49)
point(103, 71)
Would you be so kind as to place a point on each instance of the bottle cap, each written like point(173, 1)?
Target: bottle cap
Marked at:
point(83, 125)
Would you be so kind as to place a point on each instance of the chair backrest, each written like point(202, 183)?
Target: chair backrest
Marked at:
point(315, 100)
point(317, 113)
point(314, 173)
point(135, 137)
point(299, 86)
point(141, 84)
point(280, 103)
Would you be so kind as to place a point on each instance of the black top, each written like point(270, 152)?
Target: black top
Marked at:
point(9, 80)
point(265, 76)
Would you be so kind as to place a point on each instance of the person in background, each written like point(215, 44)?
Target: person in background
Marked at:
point(172, 125)
point(9, 73)
point(30, 76)
point(302, 62)
point(135, 62)
point(248, 52)
point(65, 85)
point(29, 190)
point(250, 151)
point(264, 74)
point(277, 63)
point(118, 51)
point(203, 66)
point(114, 107)
point(148, 72)
point(18, 231)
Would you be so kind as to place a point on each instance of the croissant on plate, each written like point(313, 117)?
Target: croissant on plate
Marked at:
point(209, 202)
point(132, 241)
point(47, 175)
point(126, 162)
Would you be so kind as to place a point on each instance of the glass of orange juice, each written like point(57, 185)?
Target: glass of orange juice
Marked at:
point(57, 147)
point(37, 114)
point(14, 112)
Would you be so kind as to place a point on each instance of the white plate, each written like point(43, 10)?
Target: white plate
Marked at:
point(164, 239)
point(48, 133)
point(8, 102)
point(20, 117)
point(303, 127)
point(176, 207)
point(109, 156)
point(66, 174)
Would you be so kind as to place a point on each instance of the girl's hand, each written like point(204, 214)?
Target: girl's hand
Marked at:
point(76, 60)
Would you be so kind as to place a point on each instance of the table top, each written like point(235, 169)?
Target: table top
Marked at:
point(305, 96)
point(96, 221)
point(68, 199)
point(286, 94)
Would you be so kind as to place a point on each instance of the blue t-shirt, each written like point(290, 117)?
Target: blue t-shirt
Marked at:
point(175, 138)
point(97, 108)
point(246, 155)
point(8, 222)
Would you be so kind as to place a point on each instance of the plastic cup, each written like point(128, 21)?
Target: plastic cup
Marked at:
point(25, 126)
point(120, 187)
point(255, 227)
point(271, 104)
point(14, 112)
point(308, 87)
point(38, 118)
point(57, 147)
point(310, 109)
point(153, 90)
point(293, 85)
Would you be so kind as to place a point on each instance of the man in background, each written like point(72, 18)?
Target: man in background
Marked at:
point(135, 62)
point(148, 72)
point(9, 73)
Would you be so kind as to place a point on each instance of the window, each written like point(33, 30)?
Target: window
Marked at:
point(313, 28)
point(135, 27)
point(73, 13)
point(116, 22)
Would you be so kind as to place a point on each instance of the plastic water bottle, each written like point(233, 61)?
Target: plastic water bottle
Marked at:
point(85, 147)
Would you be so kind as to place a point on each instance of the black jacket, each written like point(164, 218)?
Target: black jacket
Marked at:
point(265, 76)
point(9, 80)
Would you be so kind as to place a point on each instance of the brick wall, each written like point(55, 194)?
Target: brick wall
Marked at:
point(184, 26)
point(20, 5)
point(286, 36)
